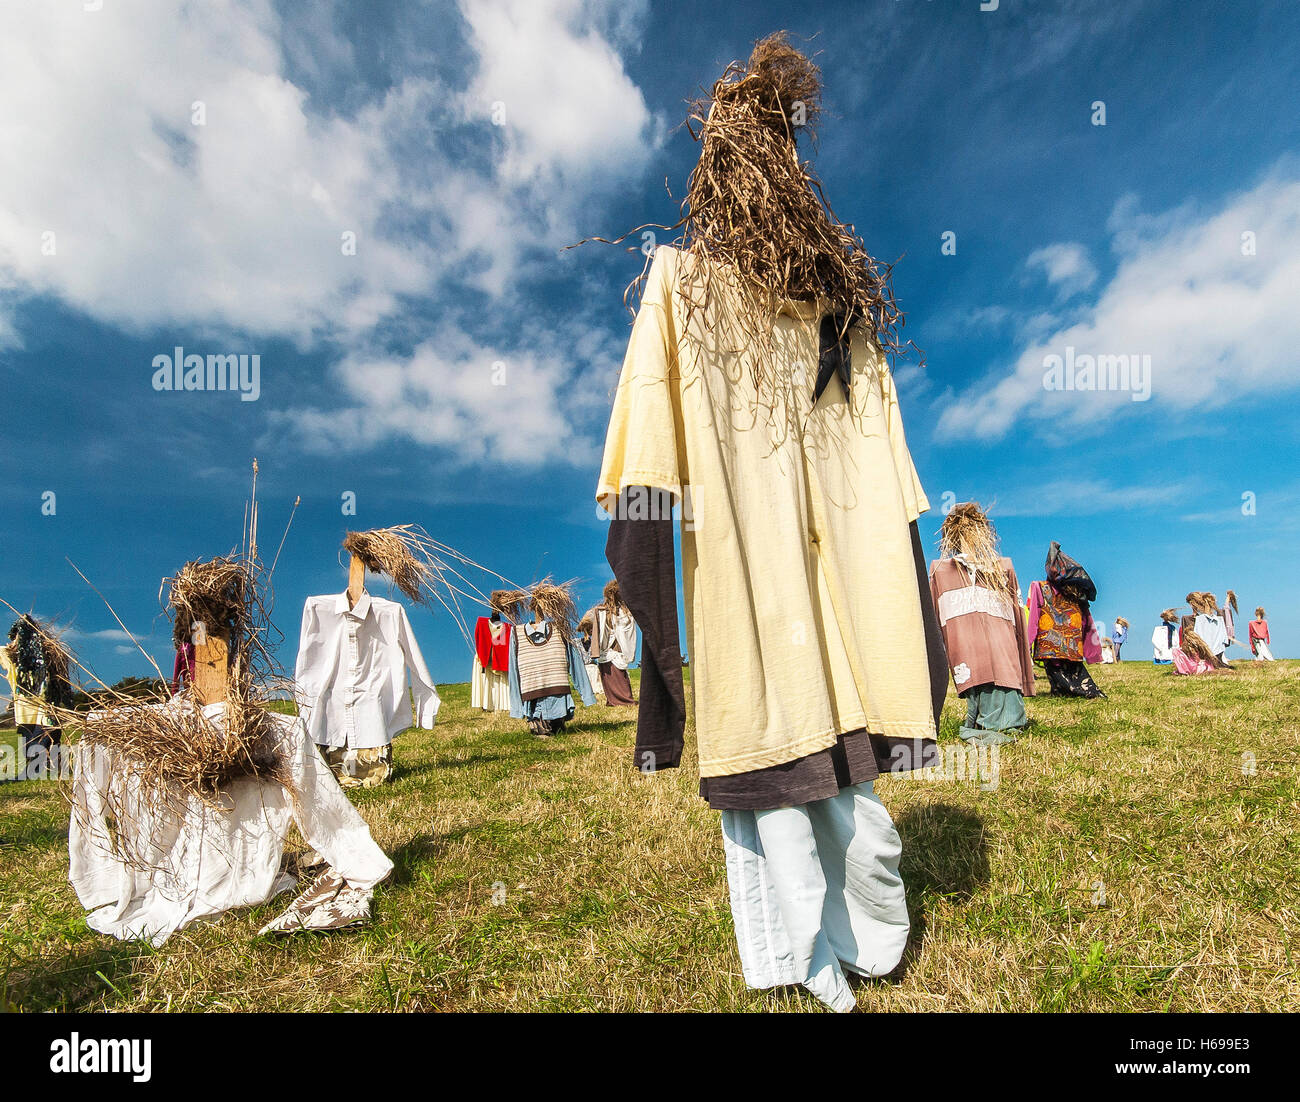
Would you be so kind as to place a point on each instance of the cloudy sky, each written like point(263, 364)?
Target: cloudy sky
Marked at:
point(375, 200)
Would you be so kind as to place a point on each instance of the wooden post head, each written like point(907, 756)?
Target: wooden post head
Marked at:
point(356, 580)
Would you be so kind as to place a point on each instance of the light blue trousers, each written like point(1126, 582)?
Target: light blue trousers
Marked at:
point(815, 890)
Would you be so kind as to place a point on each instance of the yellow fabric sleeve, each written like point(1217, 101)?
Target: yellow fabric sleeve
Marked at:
point(645, 444)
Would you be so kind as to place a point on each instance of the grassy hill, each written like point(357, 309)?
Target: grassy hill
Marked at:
point(1136, 853)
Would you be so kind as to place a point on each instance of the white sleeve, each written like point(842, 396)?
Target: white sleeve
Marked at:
point(325, 816)
point(306, 669)
point(422, 689)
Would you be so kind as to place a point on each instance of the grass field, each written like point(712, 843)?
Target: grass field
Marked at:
point(1132, 855)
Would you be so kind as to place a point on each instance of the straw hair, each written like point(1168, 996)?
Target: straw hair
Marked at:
point(967, 532)
point(1169, 616)
point(1231, 601)
point(755, 219)
point(1202, 602)
point(396, 554)
point(1194, 645)
point(212, 593)
point(1259, 613)
point(1121, 621)
point(548, 600)
point(613, 595)
point(164, 753)
point(508, 601)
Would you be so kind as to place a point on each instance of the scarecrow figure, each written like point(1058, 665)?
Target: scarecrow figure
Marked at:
point(613, 644)
point(37, 666)
point(546, 663)
point(757, 394)
point(356, 655)
point(977, 598)
point(182, 805)
point(1065, 638)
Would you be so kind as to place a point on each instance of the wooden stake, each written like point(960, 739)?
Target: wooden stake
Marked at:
point(356, 580)
point(211, 668)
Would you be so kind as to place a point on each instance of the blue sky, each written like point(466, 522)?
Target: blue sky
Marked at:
point(192, 176)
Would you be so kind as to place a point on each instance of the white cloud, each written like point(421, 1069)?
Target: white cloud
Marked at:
point(1066, 266)
point(237, 224)
point(1086, 497)
point(1218, 324)
point(477, 404)
point(111, 635)
point(568, 108)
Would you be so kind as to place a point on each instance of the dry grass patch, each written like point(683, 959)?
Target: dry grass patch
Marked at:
point(1126, 859)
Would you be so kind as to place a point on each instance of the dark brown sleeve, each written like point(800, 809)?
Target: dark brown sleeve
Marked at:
point(934, 647)
point(640, 552)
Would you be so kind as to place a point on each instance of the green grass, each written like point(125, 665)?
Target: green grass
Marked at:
point(549, 875)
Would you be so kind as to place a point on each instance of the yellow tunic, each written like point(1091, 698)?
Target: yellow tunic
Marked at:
point(803, 617)
point(28, 710)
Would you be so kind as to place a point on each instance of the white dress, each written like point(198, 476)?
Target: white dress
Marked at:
point(489, 689)
point(207, 860)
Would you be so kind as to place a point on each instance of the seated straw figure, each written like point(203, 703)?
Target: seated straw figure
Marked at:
point(1202, 638)
point(182, 806)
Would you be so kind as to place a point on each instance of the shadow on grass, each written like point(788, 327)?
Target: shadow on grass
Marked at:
point(944, 856)
point(82, 981)
point(37, 837)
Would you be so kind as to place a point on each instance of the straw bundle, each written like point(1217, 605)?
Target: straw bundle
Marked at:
point(551, 601)
point(968, 535)
point(1169, 616)
point(1204, 603)
point(508, 602)
point(164, 753)
point(613, 595)
point(397, 553)
point(1194, 645)
point(760, 217)
point(164, 756)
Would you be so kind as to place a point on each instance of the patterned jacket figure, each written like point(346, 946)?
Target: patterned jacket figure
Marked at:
point(1060, 621)
point(756, 399)
point(37, 667)
point(546, 664)
point(977, 598)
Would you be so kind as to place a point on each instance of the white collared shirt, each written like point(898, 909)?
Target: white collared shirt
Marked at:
point(352, 669)
point(615, 638)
